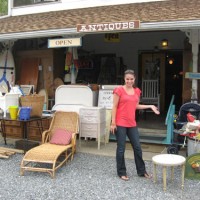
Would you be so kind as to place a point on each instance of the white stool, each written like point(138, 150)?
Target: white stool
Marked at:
point(171, 160)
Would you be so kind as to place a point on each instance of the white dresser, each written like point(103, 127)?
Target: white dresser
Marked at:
point(93, 123)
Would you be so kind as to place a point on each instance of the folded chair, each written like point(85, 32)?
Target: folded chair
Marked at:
point(57, 147)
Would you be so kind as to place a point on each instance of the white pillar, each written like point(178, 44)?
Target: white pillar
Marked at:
point(10, 6)
point(195, 52)
point(194, 36)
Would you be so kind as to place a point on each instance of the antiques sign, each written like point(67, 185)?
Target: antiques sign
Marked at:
point(110, 26)
point(66, 42)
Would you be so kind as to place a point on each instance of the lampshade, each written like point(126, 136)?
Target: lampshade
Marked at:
point(171, 61)
point(164, 43)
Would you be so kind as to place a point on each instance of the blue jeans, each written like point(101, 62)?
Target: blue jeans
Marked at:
point(133, 136)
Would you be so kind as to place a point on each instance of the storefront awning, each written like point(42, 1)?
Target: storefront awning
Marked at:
point(159, 15)
point(176, 25)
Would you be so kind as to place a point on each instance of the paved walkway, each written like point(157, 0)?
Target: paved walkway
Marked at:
point(149, 150)
point(90, 146)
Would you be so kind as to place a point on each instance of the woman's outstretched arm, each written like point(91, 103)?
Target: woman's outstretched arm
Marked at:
point(152, 107)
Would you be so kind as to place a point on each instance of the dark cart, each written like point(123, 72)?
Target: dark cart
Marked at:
point(180, 139)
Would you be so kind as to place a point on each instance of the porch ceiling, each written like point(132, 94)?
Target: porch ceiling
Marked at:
point(151, 12)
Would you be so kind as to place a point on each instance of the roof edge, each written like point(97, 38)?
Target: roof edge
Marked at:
point(37, 34)
point(170, 25)
point(150, 26)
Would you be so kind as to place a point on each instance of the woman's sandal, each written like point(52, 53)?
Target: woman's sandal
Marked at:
point(124, 178)
point(146, 175)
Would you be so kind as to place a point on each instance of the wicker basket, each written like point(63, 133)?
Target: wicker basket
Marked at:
point(35, 101)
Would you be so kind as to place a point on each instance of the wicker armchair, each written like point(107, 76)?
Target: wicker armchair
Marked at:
point(49, 157)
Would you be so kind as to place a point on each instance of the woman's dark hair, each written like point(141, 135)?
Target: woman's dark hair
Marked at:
point(129, 71)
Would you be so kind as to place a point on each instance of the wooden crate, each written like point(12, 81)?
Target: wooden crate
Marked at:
point(45, 123)
point(13, 129)
point(34, 132)
point(12, 123)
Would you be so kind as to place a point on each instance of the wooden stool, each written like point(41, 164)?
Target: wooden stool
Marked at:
point(170, 160)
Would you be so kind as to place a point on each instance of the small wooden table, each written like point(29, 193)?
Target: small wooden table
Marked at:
point(170, 160)
point(23, 124)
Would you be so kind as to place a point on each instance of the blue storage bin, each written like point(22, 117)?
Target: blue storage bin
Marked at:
point(25, 113)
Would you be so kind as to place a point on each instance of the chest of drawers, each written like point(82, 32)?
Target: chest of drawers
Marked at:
point(93, 123)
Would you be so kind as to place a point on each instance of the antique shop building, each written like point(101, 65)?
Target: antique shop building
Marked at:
point(158, 39)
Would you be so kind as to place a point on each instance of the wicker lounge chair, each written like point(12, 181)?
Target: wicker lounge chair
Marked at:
point(49, 157)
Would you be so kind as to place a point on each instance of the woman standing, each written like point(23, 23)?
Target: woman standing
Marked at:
point(125, 102)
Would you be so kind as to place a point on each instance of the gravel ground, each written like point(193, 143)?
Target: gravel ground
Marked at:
point(89, 177)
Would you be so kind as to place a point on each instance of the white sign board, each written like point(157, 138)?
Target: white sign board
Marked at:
point(66, 42)
point(192, 75)
point(105, 99)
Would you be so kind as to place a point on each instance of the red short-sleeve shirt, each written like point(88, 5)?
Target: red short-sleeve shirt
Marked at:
point(125, 115)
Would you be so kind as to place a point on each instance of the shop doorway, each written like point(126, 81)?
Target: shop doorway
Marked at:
point(169, 72)
point(152, 67)
point(173, 78)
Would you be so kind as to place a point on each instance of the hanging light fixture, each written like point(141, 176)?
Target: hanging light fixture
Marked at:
point(164, 43)
point(171, 61)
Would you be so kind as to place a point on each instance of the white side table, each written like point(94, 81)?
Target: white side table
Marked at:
point(93, 123)
point(170, 160)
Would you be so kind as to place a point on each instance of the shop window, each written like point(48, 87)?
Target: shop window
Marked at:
point(17, 3)
point(3, 7)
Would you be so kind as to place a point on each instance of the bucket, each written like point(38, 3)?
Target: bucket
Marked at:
point(25, 113)
point(13, 110)
point(193, 146)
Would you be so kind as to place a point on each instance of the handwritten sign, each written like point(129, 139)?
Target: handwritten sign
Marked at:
point(112, 37)
point(105, 99)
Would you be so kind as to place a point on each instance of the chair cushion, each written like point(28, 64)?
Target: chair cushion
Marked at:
point(61, 137)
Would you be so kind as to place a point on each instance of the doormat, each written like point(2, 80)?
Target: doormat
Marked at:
point(192, 166)
point(25, 144)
